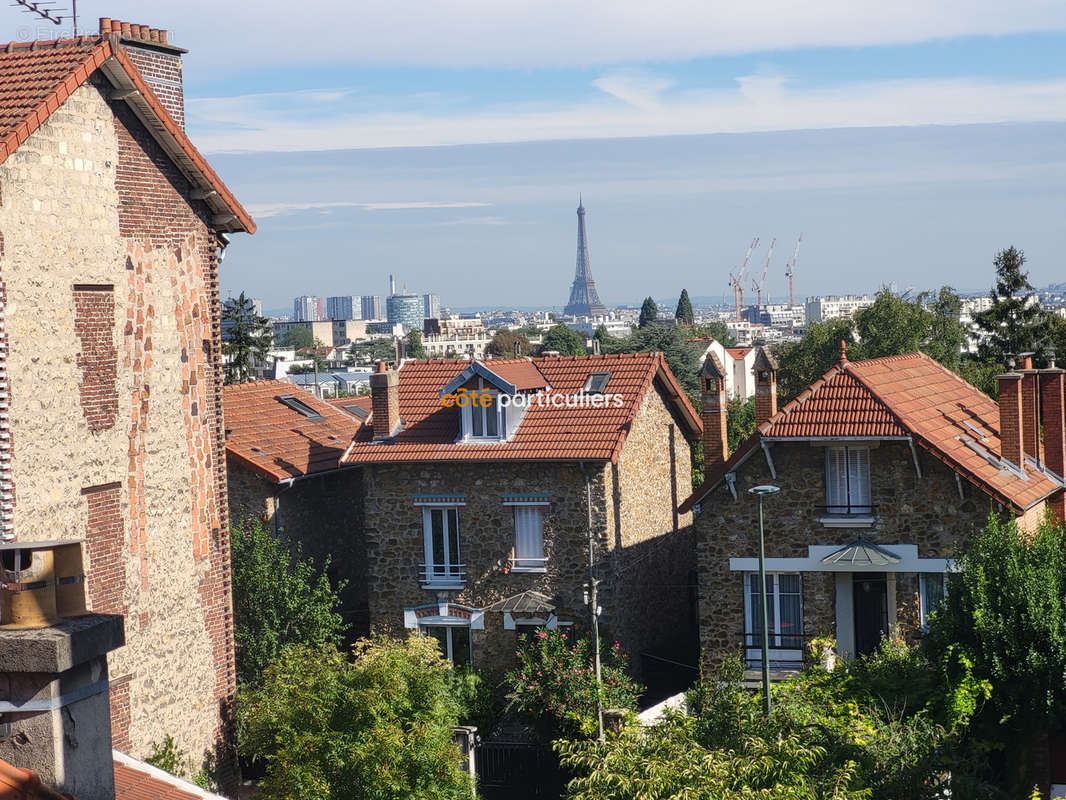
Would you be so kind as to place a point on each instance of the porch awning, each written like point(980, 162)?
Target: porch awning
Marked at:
point(862, 554)
point(527, 602)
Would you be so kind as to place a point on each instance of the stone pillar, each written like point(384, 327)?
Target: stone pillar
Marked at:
point(1010, 417)
point(715, 412)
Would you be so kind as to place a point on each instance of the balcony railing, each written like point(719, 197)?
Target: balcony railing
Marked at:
point(529, 564)
point(443, 575)
point(849, 510)
point(786, 650)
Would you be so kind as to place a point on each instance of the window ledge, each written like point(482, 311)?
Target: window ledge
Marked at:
point(540, 570)
point(848, 521)
point(443, 584)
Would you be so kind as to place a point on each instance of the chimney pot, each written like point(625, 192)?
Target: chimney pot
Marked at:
point(162, 36)
point(153, 34)
point(126, 29)
point(116, 26)
point(105, 24)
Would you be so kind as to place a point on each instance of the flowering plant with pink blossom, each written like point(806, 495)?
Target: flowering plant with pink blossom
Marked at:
point(555, 682)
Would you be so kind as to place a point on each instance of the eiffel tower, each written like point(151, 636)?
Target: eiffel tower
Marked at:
point(584, 302)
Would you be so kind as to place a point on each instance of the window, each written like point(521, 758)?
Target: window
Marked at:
point(454, 642)
point(847, 480)
point(784, 606)
point(596, 383)
point(529, 538)
point(484, 421)
point(299, 405)
point(932, 589)
point(440, 527)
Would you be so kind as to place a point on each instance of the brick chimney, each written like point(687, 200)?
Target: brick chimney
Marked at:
point(715, 412)
point(1030, 407)
point(158, 61)
point(385, 401)
point(765, 370)
point(55, 711)
point(1010, 417)
point(1051, 418)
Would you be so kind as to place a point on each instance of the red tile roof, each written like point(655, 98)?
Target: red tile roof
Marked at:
point(522, 373)
point(135, 780)
point(277, 441)
point(363, 402)
point(738, 353)
point(545, 433)
point(36, 78)
point(901, 396)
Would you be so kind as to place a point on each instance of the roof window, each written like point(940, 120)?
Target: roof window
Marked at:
point(596, 383)
point(296, 404)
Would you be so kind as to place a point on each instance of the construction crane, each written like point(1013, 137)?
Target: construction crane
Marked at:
point(737, 280)
point(790, 272)
point(760, 285)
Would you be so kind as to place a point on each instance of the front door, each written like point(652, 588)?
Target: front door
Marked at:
point(871, 610)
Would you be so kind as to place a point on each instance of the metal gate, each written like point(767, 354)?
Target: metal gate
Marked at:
point(516, 770)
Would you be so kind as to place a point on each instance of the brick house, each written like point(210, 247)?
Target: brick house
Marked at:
point(112, 227)
point(885, 468)
point(283, 450)
point(477, 519)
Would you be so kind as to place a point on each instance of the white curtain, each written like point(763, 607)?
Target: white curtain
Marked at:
point(859, 479)
point(529, 536)
point(836, 480)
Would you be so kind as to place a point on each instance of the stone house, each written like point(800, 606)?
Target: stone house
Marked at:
point(283, 450)
point(477, 519)
point(885, 467)
point(112, 228)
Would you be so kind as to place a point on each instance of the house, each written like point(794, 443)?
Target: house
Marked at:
point(112, 227)
point(885, 467)
point(738, 363)
point(479, 520)
point(283, 451)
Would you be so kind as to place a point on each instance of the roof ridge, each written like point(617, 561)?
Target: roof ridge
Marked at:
point(58, 42)
point(808, 393)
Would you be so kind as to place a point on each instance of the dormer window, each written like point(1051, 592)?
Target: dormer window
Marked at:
point(484, 421)
point(596, 383)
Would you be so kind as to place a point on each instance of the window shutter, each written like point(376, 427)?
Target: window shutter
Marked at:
point(859, 479)
point(529, 536)
point(836, 480)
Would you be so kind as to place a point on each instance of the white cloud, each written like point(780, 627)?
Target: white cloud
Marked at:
point(634, 105)
point(532, 33)
point(265, 210)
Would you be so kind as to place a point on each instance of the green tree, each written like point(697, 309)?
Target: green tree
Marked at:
point(801, 363)
point(609, 343)
point(278, 599)
point(683, 356)
point(1015, 323)
point(297, 338)
point(376, 726)
point(947, 336)
point(1006, 612)
point(649, 313)
point(414, 345)
point(684, 314)
point(740, 423)
point(371, 351)
point(503, 344)
point(563, 340)
point(892, 326)
point(714, 330)
point(246, 338)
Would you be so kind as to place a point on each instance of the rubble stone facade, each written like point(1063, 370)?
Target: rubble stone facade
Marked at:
point(113, 326)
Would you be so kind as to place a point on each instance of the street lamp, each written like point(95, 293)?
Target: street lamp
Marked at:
point(761, 492)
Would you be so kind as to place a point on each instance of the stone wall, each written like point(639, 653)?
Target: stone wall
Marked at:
point(90, 200)
point(927, 512)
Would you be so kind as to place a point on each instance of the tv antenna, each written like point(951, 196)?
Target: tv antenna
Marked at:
point(45, 10)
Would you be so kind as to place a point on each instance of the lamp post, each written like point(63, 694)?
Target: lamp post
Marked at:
point(761, 492)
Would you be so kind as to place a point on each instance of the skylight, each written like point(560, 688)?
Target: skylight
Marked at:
point(357, 411)
point(596, 383)
point(296, 404)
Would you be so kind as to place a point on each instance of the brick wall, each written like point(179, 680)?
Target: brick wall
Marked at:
point(106, 546)
point(94, 321)
point(161, 69)
point(119, 692)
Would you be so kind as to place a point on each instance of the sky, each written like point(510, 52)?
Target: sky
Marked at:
point(447, 142)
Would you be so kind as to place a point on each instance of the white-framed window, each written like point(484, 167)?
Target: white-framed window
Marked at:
point(529, 538)
point(484, 421)
point(440, 530)
point(455, 643)
point(847, 481)
point(932, 589)
point(784, 606)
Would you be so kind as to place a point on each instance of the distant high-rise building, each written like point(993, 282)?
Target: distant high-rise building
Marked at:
point(584, 301)
point(307, 309)
point(431, 306)
point(257, 307)
point(343, 307)
point(406, 309)
point(371, 305)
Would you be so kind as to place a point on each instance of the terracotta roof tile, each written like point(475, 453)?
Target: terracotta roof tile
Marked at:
point(277, 441)
point(902, 396)
point(545, 433)
point(36, 78)
point(135, 780)
point(522, 373)
point(359, 407)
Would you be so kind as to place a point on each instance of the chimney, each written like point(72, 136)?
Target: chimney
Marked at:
point(55, 712)
point(715, 412)
point(1010, 417)
point(1051, 418)
point(158, 61)
point(765, 369)
point(1030, 407)
point(385, 401)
